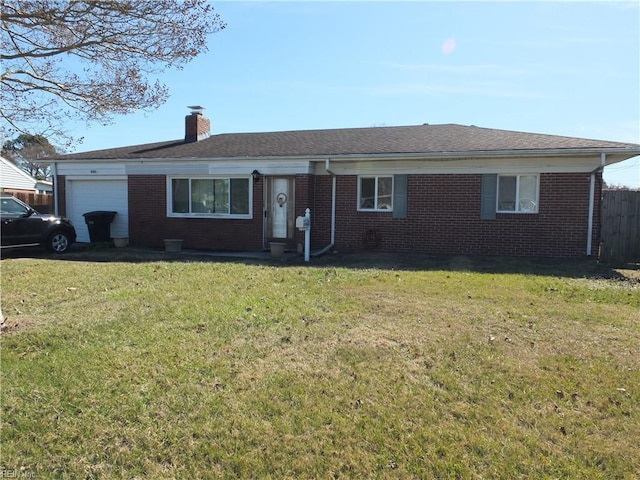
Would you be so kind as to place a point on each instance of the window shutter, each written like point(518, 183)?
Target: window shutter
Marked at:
point(399, 196)
point(489, 187)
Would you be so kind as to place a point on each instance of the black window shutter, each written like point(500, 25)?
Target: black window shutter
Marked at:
point(489, 192)
point(399, 196)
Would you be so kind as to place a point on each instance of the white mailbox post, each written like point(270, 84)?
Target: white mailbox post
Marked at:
point(304, 224)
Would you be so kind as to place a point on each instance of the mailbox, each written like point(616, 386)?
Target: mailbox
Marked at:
point(303, 223)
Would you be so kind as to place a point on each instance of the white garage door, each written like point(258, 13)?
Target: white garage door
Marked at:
point(90, 195)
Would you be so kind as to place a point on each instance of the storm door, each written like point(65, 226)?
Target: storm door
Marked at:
point(280, 210)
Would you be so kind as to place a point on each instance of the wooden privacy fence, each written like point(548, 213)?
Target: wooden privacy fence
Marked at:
point(43, 203)
point(620, 226)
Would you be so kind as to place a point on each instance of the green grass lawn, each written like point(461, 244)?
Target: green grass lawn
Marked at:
point(344, 368)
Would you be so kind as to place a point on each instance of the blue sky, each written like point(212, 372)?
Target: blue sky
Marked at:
point(564, 68)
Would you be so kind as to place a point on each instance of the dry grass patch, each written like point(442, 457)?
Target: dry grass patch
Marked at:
point(233, 370)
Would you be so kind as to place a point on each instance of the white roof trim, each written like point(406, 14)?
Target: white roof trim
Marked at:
point(435, 156)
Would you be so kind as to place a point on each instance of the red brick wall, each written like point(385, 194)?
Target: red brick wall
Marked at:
point(443, 217)
point(321, 212)
point(62, 194)
point(149, 224)
point(196, 125)
point(304, 197)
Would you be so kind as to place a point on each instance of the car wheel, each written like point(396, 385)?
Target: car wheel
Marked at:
point(58, 242)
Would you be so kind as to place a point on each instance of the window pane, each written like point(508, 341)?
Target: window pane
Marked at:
point(180, 195)
point(12, 207)
point(527, 193)
point(507, 193)
point(201, 196)
point(367, 192)
point(385, 192)
point(240, 196)
point(221, 199)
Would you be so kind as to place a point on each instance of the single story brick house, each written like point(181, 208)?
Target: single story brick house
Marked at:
point(435, 189)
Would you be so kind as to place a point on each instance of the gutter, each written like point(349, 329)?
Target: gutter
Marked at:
point(592, 188)
point(443, 155)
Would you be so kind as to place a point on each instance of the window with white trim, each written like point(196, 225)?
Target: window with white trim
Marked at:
point(518, 193)
point(209, 197)
point(375, 193)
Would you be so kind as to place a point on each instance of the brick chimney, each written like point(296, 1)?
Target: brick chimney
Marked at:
point(196, 126)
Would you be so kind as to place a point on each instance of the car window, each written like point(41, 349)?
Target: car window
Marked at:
point(9, 205)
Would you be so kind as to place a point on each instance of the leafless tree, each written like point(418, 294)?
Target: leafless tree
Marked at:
point(89, 60)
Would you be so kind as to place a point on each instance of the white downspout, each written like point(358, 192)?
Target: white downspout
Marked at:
point(54, 175)
point(326, 167)
point(324, 250)
point(333, 211)
point(592, 189)
point(333, 202)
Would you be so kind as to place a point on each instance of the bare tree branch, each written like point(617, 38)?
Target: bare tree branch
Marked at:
point(89, 60)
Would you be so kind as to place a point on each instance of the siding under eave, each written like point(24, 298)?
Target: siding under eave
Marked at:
point(295, 166)
point(12, 177)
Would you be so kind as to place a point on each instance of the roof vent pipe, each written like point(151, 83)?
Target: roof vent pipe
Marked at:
point(196, 126)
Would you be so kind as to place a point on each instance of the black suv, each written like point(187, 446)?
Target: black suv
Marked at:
point(22, 226)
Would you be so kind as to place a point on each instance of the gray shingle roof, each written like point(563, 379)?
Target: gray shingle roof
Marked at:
point(420, 139)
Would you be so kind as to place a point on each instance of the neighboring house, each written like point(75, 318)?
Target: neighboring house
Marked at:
point(14, 180)
point(436, 189)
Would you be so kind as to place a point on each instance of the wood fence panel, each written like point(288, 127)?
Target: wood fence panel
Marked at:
point(620, 226)
point(43, 203)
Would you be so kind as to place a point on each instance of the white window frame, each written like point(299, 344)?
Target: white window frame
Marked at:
point(375, 199)
point(518, 208)
point(190, 214)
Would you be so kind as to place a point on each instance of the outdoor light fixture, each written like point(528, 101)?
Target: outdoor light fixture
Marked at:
point(256, 176)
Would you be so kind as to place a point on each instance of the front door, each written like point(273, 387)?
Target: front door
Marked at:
point(279, 213)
